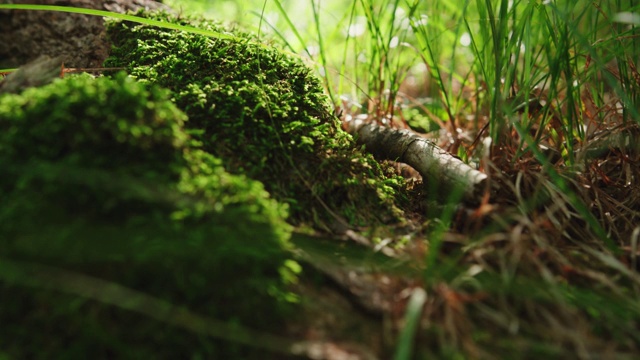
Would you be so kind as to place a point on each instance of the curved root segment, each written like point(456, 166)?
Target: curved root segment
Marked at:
point(439, 169)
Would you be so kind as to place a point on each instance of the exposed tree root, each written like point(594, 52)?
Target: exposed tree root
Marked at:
point(438, 167)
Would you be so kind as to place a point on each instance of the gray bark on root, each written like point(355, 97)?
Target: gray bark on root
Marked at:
point(439, 169)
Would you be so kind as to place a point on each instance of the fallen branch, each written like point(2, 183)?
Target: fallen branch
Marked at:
point(439, 169)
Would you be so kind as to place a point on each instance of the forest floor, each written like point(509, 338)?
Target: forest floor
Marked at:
point(543, 262)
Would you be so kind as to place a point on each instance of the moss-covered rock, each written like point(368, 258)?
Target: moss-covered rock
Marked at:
point(264, 113)
point(100, 178)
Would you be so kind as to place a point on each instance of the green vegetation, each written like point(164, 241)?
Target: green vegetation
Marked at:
point(540, 95)
point(100, 178)
point(265, 115)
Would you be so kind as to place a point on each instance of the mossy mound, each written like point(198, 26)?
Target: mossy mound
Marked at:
point(265, 115)
point(100, 179)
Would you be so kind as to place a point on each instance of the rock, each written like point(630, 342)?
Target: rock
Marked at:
point(79, 39)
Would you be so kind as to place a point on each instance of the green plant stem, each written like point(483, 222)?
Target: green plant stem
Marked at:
point(115, 15)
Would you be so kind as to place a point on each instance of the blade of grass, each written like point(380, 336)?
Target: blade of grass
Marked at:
point(114, 15)
point(52, 278)
point(292, 27)
point(343, 65)
point(323, 56)
point(431, 58)
point(404, 349)
point(564, 188)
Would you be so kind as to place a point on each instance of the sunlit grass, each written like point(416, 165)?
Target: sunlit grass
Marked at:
point(480, 58)
point(540, 81)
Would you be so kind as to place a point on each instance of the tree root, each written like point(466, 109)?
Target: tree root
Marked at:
point(439, 169)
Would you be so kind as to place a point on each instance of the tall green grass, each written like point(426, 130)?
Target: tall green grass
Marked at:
point(528, 75)
point(484, 58)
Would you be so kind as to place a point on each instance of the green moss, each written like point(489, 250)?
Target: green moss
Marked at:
point(265, 115)
point(100, 178)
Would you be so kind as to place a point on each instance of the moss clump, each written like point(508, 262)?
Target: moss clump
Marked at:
point(100, 178)
point(265, 114)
